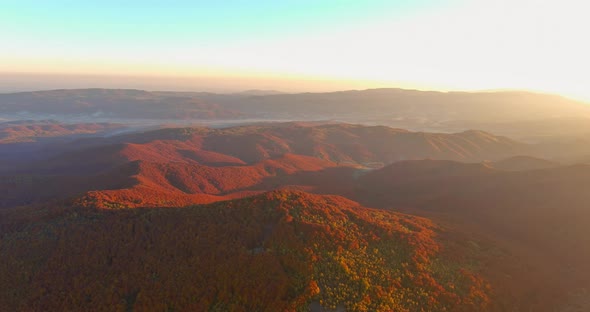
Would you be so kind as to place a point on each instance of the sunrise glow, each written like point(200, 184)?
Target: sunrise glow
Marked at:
point(442, 45)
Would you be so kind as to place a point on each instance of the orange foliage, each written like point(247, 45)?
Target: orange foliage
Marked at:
point(278, 251)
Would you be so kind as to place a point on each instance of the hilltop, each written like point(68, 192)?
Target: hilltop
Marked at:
point(279, 251)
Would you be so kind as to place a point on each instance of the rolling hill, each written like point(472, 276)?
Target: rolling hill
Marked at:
point(522, 115)
point(540, 217)
point(518, 163)
point(279, 251)
point(340, 143)
point(108, 103)
point(31, 131)
point(197, 165)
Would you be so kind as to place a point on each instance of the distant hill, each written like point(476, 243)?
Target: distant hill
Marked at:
point(196, 165)
point(258, 92)
point(512, 113)
point(411, 104)
point(338, 143)
point(279, 251)
point(518, 163)
point(29, 131)
point(108, 103)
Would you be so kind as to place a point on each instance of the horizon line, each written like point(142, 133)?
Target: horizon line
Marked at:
point(161, 83)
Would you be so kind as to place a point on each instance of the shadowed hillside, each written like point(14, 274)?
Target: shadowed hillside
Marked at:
point(30, 131)
point(518, 163)
point(540, 216)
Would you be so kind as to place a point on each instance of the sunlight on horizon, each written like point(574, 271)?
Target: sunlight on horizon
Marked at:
point(463, 45)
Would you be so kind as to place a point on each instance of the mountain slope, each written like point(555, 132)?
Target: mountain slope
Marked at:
point(108, 103)
point(540, 217)
point(339, 143)
point(514, 113)
point(279, 251)
point(180, 184)
point(414, 104)
point(180, 166)
point(30, 131)
point(518, 163)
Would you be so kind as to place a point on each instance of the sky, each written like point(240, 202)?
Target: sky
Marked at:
point(302, 45)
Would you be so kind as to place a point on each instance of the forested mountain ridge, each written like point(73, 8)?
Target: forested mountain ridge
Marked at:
point(279, 251)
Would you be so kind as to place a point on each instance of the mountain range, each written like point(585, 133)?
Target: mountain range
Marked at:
point(289, 216)
point(518, 114)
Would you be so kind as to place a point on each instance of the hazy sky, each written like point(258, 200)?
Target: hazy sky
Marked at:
point(298, 45)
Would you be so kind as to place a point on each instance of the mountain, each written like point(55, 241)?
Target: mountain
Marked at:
point(179, 166)
point(256, 92)
point(482, 106)
point(500, 231)
point(517, 163)
point(180, 184)
point(340, 143)
point(521, 115)
point(108, 103)
point(539, 218)
point(278, 251)
point(33, 130)
point(24, 141)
